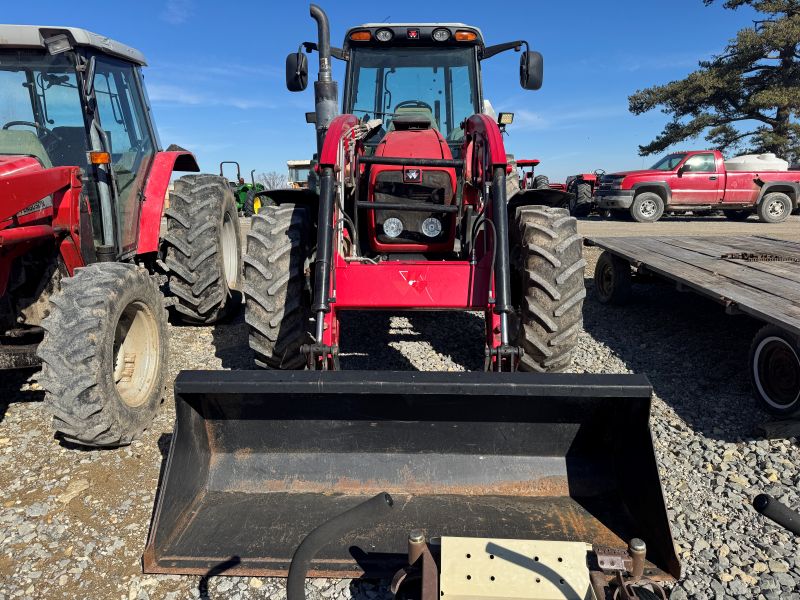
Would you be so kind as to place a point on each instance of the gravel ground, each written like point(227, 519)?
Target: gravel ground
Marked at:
point(73, 523)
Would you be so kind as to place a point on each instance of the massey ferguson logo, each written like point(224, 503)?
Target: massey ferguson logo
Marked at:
point(412, 175)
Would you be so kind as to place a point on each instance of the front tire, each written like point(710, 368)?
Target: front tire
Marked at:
point(582, 205)
point(775, 371)
point(550, 266)
point(647, 207)
point(541, 182)
point(104, 354)
point(277, 297)
point(253, 204)
point(775, 207)
point(203, 249)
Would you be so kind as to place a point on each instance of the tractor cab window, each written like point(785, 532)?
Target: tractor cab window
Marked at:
point(41, 114)
point(123, 118)
point(440, 84)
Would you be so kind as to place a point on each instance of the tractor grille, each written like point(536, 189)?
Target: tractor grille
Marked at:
point(434, 189)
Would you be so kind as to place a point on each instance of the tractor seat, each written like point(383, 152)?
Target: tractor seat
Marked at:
point(24, 143)
point(413, 112)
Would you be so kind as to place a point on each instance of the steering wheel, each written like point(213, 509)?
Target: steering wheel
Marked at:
point(413, 104)
point(599, 172)
point(38, 126)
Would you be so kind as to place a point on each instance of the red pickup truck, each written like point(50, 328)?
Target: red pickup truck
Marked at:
point(698, 180)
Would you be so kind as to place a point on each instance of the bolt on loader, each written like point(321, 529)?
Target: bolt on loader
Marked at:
point(82, 260)
point(411, 213)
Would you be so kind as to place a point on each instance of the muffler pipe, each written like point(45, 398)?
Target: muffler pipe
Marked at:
point(326, 91)
point(364, 514)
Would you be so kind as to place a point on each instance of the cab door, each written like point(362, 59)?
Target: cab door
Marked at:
point(697, 181)
point(123, 118)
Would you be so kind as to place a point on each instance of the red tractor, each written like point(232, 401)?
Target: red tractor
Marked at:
point(82, 261)
point(582, 188)
point(413, 211)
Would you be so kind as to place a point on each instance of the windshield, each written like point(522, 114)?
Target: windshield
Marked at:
point(669, 162)
point(440, 84)
point(40, 108)
point(298, 173)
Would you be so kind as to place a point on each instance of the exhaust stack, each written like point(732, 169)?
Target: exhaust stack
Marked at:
point(326, 90)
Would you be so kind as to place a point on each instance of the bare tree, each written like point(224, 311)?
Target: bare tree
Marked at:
point(273, 180)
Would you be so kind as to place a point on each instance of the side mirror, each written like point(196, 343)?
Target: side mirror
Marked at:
point(681, 170)
point(531, 70)
point(296, 72)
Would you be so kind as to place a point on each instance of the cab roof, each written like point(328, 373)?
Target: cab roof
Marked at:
point(33, 36)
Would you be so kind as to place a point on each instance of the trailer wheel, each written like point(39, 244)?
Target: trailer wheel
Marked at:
point(277, 297)
point(647, 207)
point(612, 279)
point(582, 204)
point(253, 203)
point(775, 371)
point(737, 215)
point(203, 249)
point(104, 354)
point(549, 259)
point(541, 182)
point(775, 207)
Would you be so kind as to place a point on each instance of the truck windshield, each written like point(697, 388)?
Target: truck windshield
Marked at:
point(41, 114)
point(440, 84)
point(669, 162)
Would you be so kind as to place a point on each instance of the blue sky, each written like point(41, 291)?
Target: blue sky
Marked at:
point(216, 74)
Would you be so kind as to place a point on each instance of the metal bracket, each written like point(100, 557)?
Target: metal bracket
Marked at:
point(321, 357)
point(503, 359)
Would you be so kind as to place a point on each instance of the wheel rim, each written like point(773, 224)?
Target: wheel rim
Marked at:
point(776, 370)
point(776, 209)
point(256, 205)
point(606, 281)
point(137, 354)
point(230, 255)
point(648, 208)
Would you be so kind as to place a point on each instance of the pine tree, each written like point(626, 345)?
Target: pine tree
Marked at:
point(746, 99)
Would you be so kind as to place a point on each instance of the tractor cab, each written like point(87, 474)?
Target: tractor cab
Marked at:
point(74, 98)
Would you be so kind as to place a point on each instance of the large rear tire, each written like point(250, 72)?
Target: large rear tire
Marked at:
point(582, 205)
point(104, 354)
point(277, 296)
point(253, 204)
point(550, 265)
point(203, 249)
point(541, 182)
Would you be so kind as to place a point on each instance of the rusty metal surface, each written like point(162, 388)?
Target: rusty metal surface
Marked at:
point(259, 459)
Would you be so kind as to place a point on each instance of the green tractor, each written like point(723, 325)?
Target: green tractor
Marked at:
point(241, 189)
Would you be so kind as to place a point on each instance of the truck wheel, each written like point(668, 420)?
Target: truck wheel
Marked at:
point(541, 182)
point(104, 354)
point(775, 371)
point(550, 266)
point(612, 279)
point(253, 204)
point(277, 297)
point(203, 249)
point(737, 215)
point(647, 207)
point(774, 207)
point(583, 200)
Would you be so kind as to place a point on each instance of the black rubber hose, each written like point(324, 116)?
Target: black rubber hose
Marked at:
point(365, 513)
point(778, 512)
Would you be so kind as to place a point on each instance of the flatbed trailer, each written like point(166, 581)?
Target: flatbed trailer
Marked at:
point(754, 275)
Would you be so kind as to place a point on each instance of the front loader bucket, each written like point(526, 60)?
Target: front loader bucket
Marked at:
point(260, 458)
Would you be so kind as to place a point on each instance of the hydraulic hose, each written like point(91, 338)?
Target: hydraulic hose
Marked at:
point(778, 512)
point(363, 514)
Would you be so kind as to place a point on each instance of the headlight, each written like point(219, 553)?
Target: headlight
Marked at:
point(392, 227)
point(431, 227)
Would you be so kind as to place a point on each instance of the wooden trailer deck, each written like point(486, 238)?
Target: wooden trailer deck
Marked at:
point(756, 275)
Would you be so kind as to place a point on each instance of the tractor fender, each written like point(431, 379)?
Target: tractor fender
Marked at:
point(549, 197)
point(164, 164)
point(302, 197)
